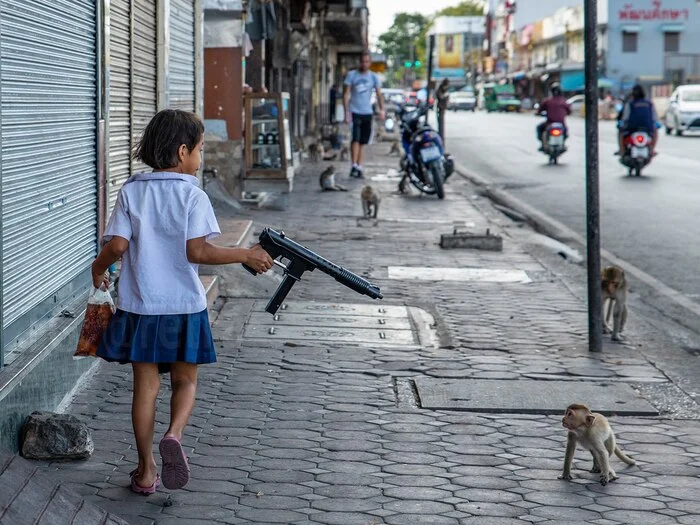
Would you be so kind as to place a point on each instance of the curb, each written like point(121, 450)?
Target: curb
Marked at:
point(545, 224)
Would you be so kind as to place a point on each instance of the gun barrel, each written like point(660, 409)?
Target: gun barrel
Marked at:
point(357, 283)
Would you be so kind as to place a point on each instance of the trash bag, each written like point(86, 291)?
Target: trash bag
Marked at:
point(99, 311)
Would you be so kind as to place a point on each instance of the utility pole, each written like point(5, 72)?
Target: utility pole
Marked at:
point(595, 307)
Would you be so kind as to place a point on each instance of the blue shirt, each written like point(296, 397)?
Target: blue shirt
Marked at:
point(158, 213)
point(361, 87)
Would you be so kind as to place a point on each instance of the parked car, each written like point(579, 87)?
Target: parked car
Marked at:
point(462, 99)
point(683, 113)
point(393, 98)
point(576, 102)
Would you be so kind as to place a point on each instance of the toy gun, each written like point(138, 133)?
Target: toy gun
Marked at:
point(302, 260)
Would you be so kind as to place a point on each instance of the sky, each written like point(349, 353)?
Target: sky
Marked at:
point(381, 12)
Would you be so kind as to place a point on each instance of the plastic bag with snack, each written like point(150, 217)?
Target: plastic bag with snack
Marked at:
point(99, 311)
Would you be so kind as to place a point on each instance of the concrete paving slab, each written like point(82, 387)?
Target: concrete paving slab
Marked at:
point(330, 319)
point(377, 336)
point(484, 275)
point(316, 307)
point(529, 397)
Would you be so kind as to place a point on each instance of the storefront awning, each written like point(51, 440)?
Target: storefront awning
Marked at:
point(576, 81)
point(631, 28)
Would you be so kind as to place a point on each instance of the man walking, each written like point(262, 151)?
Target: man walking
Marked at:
point(357, 99)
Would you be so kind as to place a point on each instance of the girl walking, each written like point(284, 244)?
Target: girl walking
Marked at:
point(161, 227)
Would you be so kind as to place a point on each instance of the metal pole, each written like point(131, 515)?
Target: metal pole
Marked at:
point(431, 49)
point(595, 316)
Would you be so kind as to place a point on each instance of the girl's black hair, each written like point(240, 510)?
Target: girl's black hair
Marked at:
point(638, 92)
point(164, 135)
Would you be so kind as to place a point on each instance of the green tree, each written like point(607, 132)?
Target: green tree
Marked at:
point(398, 42)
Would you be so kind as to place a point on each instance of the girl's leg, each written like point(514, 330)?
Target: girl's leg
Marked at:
point(183, 377)
point(143, 415)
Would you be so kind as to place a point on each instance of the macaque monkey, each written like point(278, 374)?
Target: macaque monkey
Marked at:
point(593, 432)
point(316, 151)
point(395, 149)
point(370, 201)
point(614, 288)
point(327, 180)
point(344, 153)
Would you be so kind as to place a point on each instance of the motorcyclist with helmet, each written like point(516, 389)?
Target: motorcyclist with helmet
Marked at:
point(557, 110)
point(639, 114)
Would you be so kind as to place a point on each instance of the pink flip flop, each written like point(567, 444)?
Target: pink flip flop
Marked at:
point(145, 491)
point(176, 471)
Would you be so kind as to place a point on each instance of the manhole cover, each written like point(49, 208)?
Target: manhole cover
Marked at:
point(333, 322)
point(485, 275)
point(529, 397)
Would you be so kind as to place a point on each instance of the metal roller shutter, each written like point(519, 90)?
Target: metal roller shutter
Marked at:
point(119, 98)
point(144, 89)
point(181, 88)
point(48, 126)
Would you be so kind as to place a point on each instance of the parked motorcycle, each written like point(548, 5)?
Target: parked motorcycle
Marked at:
point(554, 145)
point(424, 163)
point(637, 154)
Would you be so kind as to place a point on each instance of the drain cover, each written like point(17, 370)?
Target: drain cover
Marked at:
point(333, 322)
point(485, 275)
point(529, 397)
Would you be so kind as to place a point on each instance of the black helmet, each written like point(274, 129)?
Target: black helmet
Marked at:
point(555, 89)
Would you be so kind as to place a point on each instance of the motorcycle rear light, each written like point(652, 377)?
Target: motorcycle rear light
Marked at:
point(640, 139)
point(555, 132)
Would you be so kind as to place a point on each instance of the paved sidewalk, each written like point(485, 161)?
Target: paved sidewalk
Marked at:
point(311, 425)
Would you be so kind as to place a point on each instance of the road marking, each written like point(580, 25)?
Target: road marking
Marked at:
point(484, 275)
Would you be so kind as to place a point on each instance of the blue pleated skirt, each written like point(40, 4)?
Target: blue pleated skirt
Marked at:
point(161, 339)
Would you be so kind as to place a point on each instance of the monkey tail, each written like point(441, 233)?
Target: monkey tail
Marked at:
point(624, 457)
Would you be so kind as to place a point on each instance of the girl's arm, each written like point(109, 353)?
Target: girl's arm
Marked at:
point(199, 251)
point(110, 253)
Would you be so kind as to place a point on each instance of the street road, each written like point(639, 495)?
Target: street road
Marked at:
point(649, 221)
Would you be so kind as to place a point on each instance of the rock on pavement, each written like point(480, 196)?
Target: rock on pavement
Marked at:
point(51, 436)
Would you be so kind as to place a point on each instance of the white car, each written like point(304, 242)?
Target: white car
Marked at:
point(462, 99)
point(683, 112)
point(576, 102)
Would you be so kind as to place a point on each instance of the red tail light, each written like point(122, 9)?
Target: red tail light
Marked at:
point(640, 139)
point(555, 132)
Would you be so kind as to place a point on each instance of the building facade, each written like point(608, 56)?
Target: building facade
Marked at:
point(458, 47)
point(653, 41)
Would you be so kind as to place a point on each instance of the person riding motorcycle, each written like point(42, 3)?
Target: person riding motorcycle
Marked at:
point(639, 114)
point(557, 110)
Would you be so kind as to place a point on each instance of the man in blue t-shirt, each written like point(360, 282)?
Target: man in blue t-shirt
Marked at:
point(357, 98)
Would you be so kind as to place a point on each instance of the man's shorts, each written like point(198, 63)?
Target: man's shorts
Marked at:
point(361, 128)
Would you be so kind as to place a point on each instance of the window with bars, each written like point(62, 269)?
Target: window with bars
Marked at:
point(629, 42)
point(672, 42)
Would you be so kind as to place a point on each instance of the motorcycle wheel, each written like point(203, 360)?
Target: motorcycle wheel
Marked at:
point(438, 174)
point(637, 171)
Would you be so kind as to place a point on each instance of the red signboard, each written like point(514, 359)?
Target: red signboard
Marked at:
point(655, 12)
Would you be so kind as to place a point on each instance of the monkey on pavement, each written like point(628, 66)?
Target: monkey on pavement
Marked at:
point(614, 289)
point(370, 201)
point(593, 432)
point(395, 149)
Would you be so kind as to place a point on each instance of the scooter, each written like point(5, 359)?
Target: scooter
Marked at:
point(637, 153)
point(425, 163)
point(554, 141)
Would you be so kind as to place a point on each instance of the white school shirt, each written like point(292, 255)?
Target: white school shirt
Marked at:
point(157, 213)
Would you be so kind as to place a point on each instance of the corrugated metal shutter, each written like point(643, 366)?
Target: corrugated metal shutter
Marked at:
point(48, 126)
point(181, 88)
point(119, 98)
point(144, 94)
